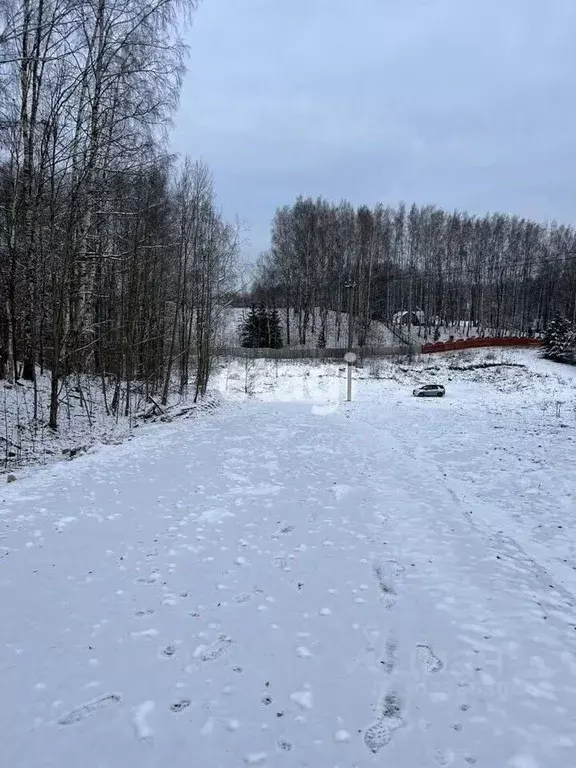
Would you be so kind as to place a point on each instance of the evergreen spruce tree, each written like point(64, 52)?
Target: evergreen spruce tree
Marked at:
point(263, 326)
point(559, 340)
point(251, 329)
point(275, 331)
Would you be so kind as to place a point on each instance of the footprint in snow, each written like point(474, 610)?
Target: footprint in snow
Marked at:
point(377, 736)
point(285, 746)
point(389, 660)
point(178, 706)
point(391, 706)
point(380, 733)
point(431, 662)
point(383, 573)
point(84, 710)
point(214, 651)
point(285, 529)
point(244, 597)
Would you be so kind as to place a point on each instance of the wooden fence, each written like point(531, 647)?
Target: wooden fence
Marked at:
point(302, 353)
point(474, 343)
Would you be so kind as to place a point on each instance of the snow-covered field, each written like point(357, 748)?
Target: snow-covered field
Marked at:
point(293, 581)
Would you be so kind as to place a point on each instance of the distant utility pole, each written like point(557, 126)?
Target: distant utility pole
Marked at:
point(350, 357)
point(410, 316)
point(350, 288)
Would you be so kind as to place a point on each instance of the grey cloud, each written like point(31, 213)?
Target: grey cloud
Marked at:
point(464, 104)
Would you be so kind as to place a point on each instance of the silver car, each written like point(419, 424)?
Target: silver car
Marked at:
point(429, 390)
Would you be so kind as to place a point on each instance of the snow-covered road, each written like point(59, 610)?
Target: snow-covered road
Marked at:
point(275, 584)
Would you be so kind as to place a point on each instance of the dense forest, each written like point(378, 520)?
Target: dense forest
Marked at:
point(113, 255)
point(418, 265)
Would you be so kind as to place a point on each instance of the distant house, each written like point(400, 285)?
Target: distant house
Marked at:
point(404, 318)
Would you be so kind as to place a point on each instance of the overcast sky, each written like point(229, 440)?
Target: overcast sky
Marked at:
point(465, 104)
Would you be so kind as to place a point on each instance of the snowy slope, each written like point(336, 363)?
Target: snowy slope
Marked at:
point(303, 584)
point(83, 421)
point(461, 330)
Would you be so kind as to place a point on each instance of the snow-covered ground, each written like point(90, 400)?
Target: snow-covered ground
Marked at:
point(305, 583)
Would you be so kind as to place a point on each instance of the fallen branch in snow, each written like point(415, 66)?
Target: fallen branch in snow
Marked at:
point(177, 411)
point(183, 411)
point(73, 452)
point(150, 412)
point(158, 406)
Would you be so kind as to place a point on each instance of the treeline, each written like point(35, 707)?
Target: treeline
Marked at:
point(497, 273)
point(113, 258)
